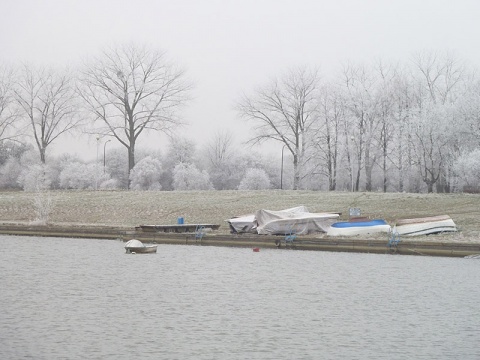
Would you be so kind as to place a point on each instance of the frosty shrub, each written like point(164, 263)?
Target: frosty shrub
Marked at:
point(9, 174)
point(188, 177)
point(467, 167)
point(58, 164)
point(117, 164)
point(180, 150)
point(42, 206)
point(110, 184)
point(255, 179)
point(146, 174)
point(78, 175)
point(35, 178)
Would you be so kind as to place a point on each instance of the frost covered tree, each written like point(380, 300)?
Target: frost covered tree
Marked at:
point(57, 164)
point(439, 75)
point(78, 175)
point(325, 152)
point(365, 123)
point(188, 177)
point(180, 150)
point(13, 149)
point(439, 80)
point(9, 173)
point(117, 166)
point(11, 153)
point(146, 174)
point(255, 179)
point(131, 90)
point(432, 128)
point(284, 111)
point(42, 206)
point(35, 178)
point(467, 168)
point(8, 112)
point(469, 110)
point(400, 154)
point(221, 158)
point(48, 103)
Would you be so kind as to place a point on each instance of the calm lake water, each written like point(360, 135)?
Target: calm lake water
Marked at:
point(87, 299)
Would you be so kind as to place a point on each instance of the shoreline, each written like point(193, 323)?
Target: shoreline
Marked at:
point(407, 245)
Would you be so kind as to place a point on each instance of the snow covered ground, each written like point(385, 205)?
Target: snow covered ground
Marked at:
point(133, 208)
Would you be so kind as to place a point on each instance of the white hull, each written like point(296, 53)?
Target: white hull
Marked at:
point(425, 226)
point(136, 247)
point(358, 230)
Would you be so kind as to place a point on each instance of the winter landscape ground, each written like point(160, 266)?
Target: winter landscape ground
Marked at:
point(133, 208)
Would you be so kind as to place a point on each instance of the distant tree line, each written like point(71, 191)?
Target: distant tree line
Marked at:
point(375, 127)
point(411, 126)
point(183, 166)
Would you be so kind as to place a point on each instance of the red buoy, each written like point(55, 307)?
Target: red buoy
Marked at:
point(256, 249)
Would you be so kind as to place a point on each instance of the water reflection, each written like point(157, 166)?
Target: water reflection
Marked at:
point(71, 298)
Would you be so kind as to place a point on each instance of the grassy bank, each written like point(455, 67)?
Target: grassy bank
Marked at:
point(132, 208)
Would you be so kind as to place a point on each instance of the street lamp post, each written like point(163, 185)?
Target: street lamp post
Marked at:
point(104, 159)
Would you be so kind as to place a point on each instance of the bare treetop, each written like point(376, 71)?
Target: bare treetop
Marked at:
point(47, 101)
point(134, 85)
point(284, 111)
point(8, 113)
point(132, 89)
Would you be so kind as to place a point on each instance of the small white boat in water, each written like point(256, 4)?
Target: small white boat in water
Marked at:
point(425, 226)
point(137, 247)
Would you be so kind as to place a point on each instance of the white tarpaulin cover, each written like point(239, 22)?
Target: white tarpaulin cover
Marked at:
point(295, 220)
point(243, 224)
point(134, 244)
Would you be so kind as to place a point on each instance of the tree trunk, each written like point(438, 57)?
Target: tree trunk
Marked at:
point(332, 176)
point(368, 169)
point(400, 168)
point(385, 154)
point(131, 161)
point(429, 187)
point(296, 177)
point(442, 184)
point(385, 179)
point(357, 180)
point(42, 155)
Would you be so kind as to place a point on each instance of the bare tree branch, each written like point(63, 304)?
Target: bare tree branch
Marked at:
point(284, 111)
point(47, 101)
point(132, 89)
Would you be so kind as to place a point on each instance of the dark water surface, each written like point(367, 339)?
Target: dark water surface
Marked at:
point(87, 299)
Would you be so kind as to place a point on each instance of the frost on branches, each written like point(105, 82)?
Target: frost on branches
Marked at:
point(255, 179)
point(146, 174)
point(188, 177)
point(42, 207)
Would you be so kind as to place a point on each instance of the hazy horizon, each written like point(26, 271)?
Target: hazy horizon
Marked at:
point(230, 47)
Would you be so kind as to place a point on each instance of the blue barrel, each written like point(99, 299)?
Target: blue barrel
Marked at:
point(180, 221)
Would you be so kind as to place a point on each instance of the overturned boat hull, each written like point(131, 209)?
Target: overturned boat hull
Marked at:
point(425, 226)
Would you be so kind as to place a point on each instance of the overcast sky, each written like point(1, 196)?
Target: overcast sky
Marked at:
point(230, 46)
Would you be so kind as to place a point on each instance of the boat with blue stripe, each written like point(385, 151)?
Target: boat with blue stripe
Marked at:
point(358, 227)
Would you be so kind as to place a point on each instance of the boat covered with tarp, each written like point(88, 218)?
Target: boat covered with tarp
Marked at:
point(296, 220)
